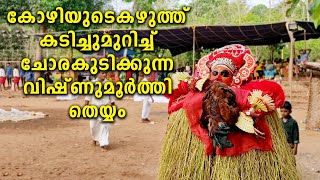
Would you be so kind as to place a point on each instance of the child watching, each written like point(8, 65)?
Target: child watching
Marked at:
point(290, 126)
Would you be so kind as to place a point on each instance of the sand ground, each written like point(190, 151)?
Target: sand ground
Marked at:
point(57, 147)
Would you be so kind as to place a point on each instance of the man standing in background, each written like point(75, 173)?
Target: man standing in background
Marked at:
point(99, 130)
point(9, 74)
point(146, 103)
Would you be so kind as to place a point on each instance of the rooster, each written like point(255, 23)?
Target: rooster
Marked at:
point(220, 112)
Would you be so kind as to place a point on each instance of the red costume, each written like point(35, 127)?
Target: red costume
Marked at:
point(221, 112)
point(241, 64)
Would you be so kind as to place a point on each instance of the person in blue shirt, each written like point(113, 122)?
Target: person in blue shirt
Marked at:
point(30, 76)
point(269, 72)
point(23, 76)
point(304, 54)
point(9, 74)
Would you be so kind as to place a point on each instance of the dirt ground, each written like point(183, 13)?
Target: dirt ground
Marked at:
point(57, 147)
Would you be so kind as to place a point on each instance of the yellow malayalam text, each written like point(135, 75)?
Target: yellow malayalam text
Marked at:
point(106, 112)
point(97, 89)
point(95, 65)
point(86, 18)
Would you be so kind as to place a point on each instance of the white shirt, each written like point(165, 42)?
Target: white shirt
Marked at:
point(16, 72)
point(2, 72)
point(146, 97)
point(104, 100)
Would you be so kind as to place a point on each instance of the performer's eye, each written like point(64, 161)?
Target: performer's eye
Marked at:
point(223, 73)
point(215, 73)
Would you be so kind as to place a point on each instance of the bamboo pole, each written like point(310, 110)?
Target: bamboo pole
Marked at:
point(305, 39)
point(292, 52)
point(308, 16)
point(193, 49)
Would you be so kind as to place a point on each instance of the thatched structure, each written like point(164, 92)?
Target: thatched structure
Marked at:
point(313, 114)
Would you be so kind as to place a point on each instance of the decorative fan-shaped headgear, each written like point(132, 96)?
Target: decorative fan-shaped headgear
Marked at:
point(236, 57)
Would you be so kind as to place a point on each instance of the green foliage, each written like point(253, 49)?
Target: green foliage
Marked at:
point(315, 9)
point(12, 5)
point(259, 10)
point(13, 42)
point(145, 5)
point(294, 4)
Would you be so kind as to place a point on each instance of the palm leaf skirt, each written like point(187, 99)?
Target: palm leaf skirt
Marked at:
point(183, 156)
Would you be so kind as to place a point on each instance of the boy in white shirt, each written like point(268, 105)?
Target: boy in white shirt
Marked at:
point(2, 77)
point(16, 78)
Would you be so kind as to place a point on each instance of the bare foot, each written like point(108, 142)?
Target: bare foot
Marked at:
point(94, 143)
point(104, 148)
point(145, 120)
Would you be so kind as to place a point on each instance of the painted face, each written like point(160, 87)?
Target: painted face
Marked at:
point(221, 74)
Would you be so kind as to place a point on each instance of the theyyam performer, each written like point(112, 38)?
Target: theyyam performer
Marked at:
point(223, 125)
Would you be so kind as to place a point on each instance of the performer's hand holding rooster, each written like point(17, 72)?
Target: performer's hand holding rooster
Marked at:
point(220, 112)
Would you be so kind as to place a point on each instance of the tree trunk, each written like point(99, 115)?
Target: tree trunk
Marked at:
point(312, 65)
point(43, 29)
point(292, 55)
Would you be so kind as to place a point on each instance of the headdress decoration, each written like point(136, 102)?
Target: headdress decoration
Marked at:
point(224, 62)
point(237, 58)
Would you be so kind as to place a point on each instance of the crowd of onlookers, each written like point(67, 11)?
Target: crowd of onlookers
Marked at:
point(279, 68)
point(11, 76)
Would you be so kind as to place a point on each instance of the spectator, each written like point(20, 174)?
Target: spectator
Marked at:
point(48, 77)
point(2, 77)
point(278, 78)
point(269, 71)
point(9, 74)
point(259, 70)
point(188, 69)
point(23, 76)
point(304, 55)
point(16, 78)
point(99, 130)
point(291, 127)
point(146, 106)
point(123, 76)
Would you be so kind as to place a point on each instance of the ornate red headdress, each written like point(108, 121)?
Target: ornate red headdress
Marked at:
point(237, 58)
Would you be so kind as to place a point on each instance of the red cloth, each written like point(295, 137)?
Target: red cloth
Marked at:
point(193, 107)
point(152, 76)
point(177, 97)
point(242, 141)
point(273, 89)
point(128, 75)
point(2, 80)
point(16, 80)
